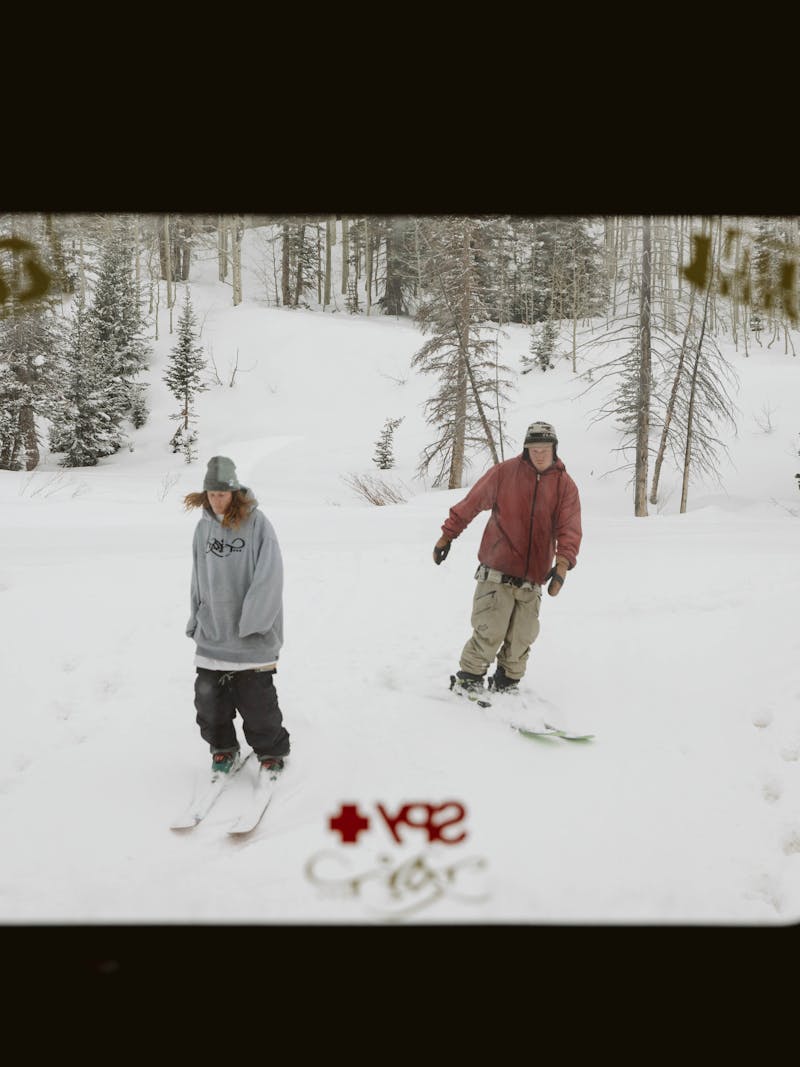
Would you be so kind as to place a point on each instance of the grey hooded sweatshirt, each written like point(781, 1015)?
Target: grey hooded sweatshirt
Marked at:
point(237, 590)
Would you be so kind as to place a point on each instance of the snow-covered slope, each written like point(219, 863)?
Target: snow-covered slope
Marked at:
point(674, 641)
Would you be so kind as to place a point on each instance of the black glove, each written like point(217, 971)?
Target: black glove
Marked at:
point(440, 550)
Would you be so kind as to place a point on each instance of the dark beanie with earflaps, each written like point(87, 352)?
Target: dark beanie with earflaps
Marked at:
point(542, 433)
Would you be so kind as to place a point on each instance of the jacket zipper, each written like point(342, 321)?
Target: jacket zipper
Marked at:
point(530, 528)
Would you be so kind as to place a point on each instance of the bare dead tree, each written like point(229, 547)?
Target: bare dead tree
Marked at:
point(671, 404)
point(645, 375)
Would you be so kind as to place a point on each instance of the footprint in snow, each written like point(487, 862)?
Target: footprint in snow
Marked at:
point(772, 790)
point(791, 841)
point(763, 718)
point(767, 888)
point(63, 711)
point(389, 679)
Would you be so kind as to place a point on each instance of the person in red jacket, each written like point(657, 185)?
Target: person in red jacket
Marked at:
point(535, 520)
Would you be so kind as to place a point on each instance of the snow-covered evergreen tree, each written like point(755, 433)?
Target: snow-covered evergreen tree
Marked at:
point(118, 325)
point(384, 446)
point(83, 427)
point(553, 269)
point(30, 341)
point(183, 377)
point(542, 347)
point(400, 275)
point(139, 410)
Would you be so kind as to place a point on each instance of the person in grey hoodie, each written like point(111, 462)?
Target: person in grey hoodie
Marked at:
point(236, 620)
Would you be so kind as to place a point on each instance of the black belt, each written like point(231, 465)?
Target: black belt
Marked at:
point(509, 579)
point(505, 579)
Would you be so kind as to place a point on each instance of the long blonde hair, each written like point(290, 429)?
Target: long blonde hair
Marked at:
point(237, 511)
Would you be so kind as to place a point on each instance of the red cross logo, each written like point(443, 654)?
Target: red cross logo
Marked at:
point(349, 823)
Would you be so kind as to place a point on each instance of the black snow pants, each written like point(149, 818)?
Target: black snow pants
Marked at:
point(218, 695)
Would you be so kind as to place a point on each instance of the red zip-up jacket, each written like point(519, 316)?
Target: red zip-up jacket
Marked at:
point(534, 518)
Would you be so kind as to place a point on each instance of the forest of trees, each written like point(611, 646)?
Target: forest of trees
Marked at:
point(80, 296)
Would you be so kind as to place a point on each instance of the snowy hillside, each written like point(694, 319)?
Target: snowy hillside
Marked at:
point(674, 641)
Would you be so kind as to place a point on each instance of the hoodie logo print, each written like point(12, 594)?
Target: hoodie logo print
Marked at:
point(224, 548)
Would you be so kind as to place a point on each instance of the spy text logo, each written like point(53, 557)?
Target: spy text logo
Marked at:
point(394, 885)
point(437, 822)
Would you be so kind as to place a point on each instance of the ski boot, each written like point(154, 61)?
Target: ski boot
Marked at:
point(501, 683)
point(469, 685)
point(225, 762)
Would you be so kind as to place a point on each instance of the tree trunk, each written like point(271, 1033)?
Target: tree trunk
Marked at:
point(157, 304)
point(668, 273)
point(330, 241)
point(163, 244)
point(26, 433)
point(645, 374)
point(167, 265)
point(299, 253)
point(319, 265)
point(28, 429)
point(345, 255)
point(222, 247)
point(286, 292)
point(687, 459)
point(460, 422)
point(237, 233)
point(575, 317)
point(183, 250)
point(487, 429)
point(393, 297)
point(457, 455)
point(662, 448)
point(368, 264)
point(466, 318)
point(57, 253)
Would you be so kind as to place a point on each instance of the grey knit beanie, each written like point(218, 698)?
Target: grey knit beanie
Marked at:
point(541, 433)
point(221, 475)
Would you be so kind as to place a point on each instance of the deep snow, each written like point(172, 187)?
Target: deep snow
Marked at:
point(674, 641)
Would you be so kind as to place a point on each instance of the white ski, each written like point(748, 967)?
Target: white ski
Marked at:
point(203, 803)
point(263, 791)
point(550, 731)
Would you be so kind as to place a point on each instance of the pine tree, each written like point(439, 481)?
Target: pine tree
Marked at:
point(553, 269)
point(139, 410)
point(117, 325)
point(543, 346)
point(298, 266)
point(183, 377)
point(30, 343)
point(30, 339)
point(400, 276)
point(81, 424)
point(384, 446)
point(351, 302)
point(462, 349)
